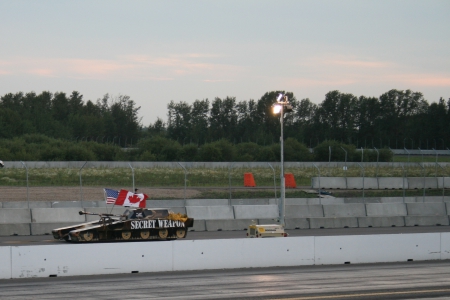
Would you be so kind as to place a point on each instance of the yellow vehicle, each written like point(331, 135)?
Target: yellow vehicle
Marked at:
point(260, 231)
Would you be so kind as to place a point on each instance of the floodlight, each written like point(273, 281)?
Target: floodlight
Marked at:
point(276, 109)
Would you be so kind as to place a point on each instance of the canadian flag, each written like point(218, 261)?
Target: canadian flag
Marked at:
point(127, 198)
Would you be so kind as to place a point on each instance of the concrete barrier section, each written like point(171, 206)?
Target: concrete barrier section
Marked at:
point(358, 183)
point(363, 200)
point(251, 202)
point(64, 260)
point(426, 209)
point(393, 221)
point(164, 203)
point(329, 183)
point(377, 248)
point(297, 223)
point(14, 215)
point(199, 225)
point(227, 225)
point(426, 220)
point(5, 263)
point(14, 229)
point(333, 222)
point(304, 211)
point(255, 212)
point(24, 204)
point(398, 199)
point(182, 255)
point(432, 199)
point(445, 245)
point(443, 182)
point(207, 202)
point(344, 210)
point(386, 209)
point(420, 182)
point(242, 253)
point(56, 215)
point(389, 183)
point(210, 212)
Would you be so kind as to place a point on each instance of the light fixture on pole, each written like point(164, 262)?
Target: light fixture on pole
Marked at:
point(281, 107)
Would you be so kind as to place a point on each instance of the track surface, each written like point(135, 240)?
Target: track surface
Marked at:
point(413, 280)
point(201, 235)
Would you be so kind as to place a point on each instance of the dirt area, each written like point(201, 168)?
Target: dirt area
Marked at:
point(86, 193)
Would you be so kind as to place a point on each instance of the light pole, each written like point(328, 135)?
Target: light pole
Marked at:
point(281, 107)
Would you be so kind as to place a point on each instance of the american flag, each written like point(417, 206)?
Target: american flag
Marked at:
point(111, 196)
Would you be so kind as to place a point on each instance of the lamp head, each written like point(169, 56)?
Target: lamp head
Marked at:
point(276, 108)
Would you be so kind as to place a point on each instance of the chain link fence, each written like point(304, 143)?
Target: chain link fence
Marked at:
point(84, 181)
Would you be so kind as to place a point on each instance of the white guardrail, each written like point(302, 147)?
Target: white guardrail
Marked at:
point(182, 255)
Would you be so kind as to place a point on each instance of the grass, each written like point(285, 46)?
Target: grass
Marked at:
point(197, 177)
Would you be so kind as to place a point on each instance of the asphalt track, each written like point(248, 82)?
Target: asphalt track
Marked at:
point(412, 280)
point(201, 235)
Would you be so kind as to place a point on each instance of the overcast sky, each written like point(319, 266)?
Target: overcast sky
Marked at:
point(158, 51)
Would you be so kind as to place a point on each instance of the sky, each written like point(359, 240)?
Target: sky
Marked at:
point(158, 51)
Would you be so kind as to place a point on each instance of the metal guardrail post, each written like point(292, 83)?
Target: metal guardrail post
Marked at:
point(28, 193)
point(185, 179)
point(403, 183)
point(435, 166)
point(443, 183)
point(423, 175)
point(230, 166)
point(132, 174)
point(345, 168)
point(363, 175)
point(274, 181)
point(408, 162)
point(81, 185)
point(318, 170)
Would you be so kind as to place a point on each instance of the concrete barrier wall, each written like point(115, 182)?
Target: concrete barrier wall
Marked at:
point(56, 215)
point(377, 248)
point(420, 183)
point(184, 255)
point(389, 183)
point(386, 209)
point(255, 211)
point(304, 211)
point(358, 183)
point(344, 210)
point(217, 225)
point(207, 202)
point(443, 182)
point(14, 215)
point(426, 209)
point(394, 221)
point(329, 183)
point(210, 212)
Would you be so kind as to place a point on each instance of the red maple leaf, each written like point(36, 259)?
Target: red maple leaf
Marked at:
point(134, 199)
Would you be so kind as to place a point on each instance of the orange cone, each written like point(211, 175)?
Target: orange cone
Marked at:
point(289, 181)
point(249, 181)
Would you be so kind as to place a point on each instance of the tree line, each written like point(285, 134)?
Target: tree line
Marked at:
point(67, 117)
point(396, 119)
point(221, 129)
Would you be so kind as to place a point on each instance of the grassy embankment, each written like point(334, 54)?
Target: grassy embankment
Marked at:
point(216, 183)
